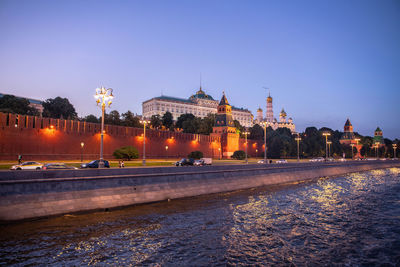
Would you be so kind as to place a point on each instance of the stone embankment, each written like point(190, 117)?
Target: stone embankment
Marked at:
point(32, 194)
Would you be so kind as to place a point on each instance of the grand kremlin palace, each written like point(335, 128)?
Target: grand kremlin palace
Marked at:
point(199, 104)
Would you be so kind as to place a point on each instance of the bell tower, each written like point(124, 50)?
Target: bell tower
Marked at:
point(225, 128)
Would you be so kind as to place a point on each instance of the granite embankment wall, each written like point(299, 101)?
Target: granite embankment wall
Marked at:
point(26, 195)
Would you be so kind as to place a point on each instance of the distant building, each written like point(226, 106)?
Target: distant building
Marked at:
point(271, 121)
point(199, 104)
point(32, 102)
point(378, 137)
point(349, 138)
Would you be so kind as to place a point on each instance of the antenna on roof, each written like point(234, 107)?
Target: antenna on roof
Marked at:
point(200, 80)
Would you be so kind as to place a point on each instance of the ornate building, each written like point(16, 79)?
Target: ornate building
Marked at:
point(225, 128)
point(271, 121)
point(378, 137)
point(199, 104)
point(349, 138)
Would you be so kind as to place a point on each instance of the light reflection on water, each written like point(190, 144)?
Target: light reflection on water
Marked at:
point(351, 220)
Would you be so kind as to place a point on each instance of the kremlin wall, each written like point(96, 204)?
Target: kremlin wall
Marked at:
point(38, 138)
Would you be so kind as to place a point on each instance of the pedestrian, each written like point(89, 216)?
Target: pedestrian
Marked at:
point(119, 163)
point(19, 159)
point(122, 164)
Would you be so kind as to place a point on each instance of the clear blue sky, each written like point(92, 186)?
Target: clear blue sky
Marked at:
point(323, 60)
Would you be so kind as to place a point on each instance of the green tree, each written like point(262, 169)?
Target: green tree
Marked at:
point(191, 126)
point(91, 118)
point(182, 118)
point(112, 118)
point(239, 154)
point(195, 155)
point(167, 120)
point(59, 108)
point(239, 128)
point(256, 132)
point(12, 104)
point(126, 152)
point(207, 124)
point(155, 121)
point(128, 119)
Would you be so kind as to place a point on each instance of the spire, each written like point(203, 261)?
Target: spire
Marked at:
point(223, 101)
point(348, 123)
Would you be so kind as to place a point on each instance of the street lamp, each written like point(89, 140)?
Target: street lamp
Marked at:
point(352, 153)
point(357, 140)
point(329, 149)
point(264, 125)
point(298, 139)
point(219, 153)
point(82, 145)
point(326, 134)
point(166, 151)
point(394, 148)
point(245, 135)
point(103, 98)
point(144, 122)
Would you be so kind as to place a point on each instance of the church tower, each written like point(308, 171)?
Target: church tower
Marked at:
point(270, 112)
point(282, 116)
point(259, 115)
point(225, 128)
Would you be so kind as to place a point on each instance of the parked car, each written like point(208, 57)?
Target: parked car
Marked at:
point(28, 165)
point(58, 166)
point(261, 161)
point(185, 162)
point(319, 159)
point(342, 159)
point(331, 159)
point(207, 161)
point(280, 161)
point(95, 164)
point(199, 162)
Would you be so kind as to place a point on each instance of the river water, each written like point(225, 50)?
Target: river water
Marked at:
point(352, 220)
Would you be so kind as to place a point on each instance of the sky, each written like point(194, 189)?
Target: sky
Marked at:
point(324, 61)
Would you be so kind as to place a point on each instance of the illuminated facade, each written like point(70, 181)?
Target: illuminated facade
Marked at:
point(271, 121)
point(378, 137)
point(199, 104)
point(349, 138)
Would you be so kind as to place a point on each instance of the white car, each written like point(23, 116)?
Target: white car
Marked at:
point(319, 159)
point(342, 159)
point(281, 161)
point(261, 161)
point(28, 165)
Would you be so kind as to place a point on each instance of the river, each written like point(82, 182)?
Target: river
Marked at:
point(351, 220)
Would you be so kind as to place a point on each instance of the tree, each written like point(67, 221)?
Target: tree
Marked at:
point(12, 104)
point(207, 124)
point(128, 119)
point(112, 118)
point(59, 108)
point(156, 122)
point(195, 155)
point(182, 118)
point(239, 154)
point(91, 118)
point(167, 120)
point(126, 152)
point(239, 128)
point(256, 132)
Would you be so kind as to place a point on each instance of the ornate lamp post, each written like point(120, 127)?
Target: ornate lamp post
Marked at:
point(394, 150)
point(264, 125)
point(245, 136)
point(298, 139)
point(144, 122)
point(326, 134)
point(357, 140)
point(352, 152)
point(103, 98)
point(82, 145)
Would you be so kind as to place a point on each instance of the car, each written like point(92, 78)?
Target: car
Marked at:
point(207, 161)
point(185, 162)
point(57, 166)
point(95, 164)
point(331, 159)
point(28, 165)
point(319, 159)
point(280, 161)
point(342, 159)
point(198, 162)
point(261, 161)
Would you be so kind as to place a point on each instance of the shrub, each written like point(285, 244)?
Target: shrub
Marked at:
point(195, 155)
point(126, 152)
point(239, 154)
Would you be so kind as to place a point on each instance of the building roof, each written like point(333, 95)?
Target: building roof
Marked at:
point(283, 113)
point(202, 95)
point(378, 129)
point(32, 101)
point(348, 123)
point(223, 101)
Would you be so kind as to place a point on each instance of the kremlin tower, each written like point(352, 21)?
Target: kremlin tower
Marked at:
point(270, 113)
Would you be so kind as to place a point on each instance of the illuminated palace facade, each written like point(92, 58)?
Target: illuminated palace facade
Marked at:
point(199, 104)
point(273, 122)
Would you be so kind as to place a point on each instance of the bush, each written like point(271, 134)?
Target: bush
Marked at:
point(239, 154)
point(126, 152)
point(195, 155)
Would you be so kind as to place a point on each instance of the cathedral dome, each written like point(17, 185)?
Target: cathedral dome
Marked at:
point(283, 113)
point(269, 99)
point(202, 95)
point(259, 110)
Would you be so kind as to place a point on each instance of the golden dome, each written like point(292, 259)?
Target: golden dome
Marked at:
point(259, 110)
point(269, 99)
